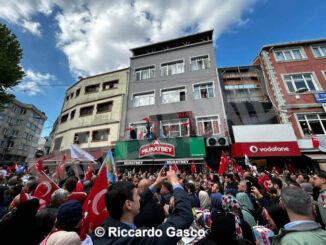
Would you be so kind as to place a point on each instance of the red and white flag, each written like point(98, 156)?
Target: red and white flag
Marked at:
point(11, 168)
point(320, 144)
point(224, 163)
point(45, 188)
point(141, 135)
point(89, 174)
point(175, 168)
point(94, 209)
point(263, 181)
point(60, 169)
point(37, 167)
point(22, 196)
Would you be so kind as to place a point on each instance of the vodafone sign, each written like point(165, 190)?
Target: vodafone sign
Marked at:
point(156, 148)
point(262, 149)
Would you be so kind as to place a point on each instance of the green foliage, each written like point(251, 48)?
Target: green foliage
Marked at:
point(11, 72)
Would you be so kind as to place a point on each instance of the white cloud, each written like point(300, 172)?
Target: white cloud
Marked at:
point(33, 27)
point(33, 81)
point(96, 35)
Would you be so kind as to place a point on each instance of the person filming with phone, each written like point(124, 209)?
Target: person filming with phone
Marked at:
point(123, 203)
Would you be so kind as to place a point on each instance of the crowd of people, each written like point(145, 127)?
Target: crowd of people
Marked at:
point(213, 208)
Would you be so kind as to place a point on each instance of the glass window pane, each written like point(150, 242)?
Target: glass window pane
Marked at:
point(323, 49)
point(304, 127)
point(210, 92)
point(297, 54)
point(288, 55)
point(279, 56)
point(311, 117)
point(197, 94)
point(300, 117)
point(311, 85)
point(316, 52)
point(316, 127)
point(322, 116)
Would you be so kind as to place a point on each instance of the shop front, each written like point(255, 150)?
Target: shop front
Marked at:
point(268, 146)
point(145, 154)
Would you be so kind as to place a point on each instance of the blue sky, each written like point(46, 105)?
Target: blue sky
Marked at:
point(65, 39)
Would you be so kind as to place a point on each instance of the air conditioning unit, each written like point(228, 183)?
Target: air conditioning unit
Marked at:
point(217, 141)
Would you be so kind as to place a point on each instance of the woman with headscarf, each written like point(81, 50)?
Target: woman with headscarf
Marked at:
point(247, 208)
point(232, 207)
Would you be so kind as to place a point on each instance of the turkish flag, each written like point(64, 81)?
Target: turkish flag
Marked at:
point(146, 119)
point(14, 166)
point(185, 124)
point(315, 143)
point(88, 174)
point(141, 135)
point(263, 181)
point(94, 209)
point(60, 169)
point(22, 197)
point(38, 166)
point(239, 169)
point(175, 168)
point(208, 168)
point(128, 129)
point(193, 168)
point(224, 163)
point(45, 188)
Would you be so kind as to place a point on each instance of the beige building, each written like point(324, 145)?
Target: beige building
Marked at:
point(93, 113)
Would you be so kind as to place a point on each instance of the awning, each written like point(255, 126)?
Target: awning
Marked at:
point(316, 156)
point(54, 158)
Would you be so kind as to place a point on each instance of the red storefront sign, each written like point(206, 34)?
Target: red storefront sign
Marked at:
point(265, 149)
point(156, 148)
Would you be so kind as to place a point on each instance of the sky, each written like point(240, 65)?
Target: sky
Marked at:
point(62, 39)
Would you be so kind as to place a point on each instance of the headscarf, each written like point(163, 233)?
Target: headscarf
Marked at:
point(216, 199)
point(232, 206)
point(245, 201)
point(205, 201)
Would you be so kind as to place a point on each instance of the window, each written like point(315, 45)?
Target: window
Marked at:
point(20, 147)
point(319, 51)
point(208, 126)
point(64, 118)
point(67, 97)
point(300, 81)
point(244, 92)
point(100, 135)
point(289, 54)
point(19, 122)
point(33, 127)
point(312, 123)
point(104, 107)
point(30, 137)
point(72, 95)
point(145, 73)
point(172, 68)
point(86, 111)
point(31, 115)
point(10, 144)
point(9, 119)
point(57, 143)
point(173, 95)
point(28, 124)
point(72, 114)
point(110, 85)
point(25, 135)
point(15, 133)
point(5, 131)
point(2, 143)
point(81, 137)
point(22, 111)
point(77, 92)
point(199, 63)
point(140, 129)
point(2, 116)
point(174, 128)
point(144, 99)
point(204, 91)
point(92, 88)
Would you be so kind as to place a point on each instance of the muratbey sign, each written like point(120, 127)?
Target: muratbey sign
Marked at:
point(156, 148)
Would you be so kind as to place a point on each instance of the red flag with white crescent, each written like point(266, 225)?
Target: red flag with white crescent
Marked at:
point(94, 209)
point(60, 169)
point(224, 163)
point(193, 168)
point(175, 168)
point(45, 188)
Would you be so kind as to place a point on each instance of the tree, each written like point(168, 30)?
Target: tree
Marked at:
point(11, 72)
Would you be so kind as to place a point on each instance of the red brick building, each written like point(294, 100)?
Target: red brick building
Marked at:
point(295, 73)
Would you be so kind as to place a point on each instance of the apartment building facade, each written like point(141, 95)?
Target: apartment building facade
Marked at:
point(93, 114)
point(174, 98)
point(20, 126)
point(295, 73)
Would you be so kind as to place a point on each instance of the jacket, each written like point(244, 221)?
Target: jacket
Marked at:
point(301, 234)
point(322, 210)
point(181, 218)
